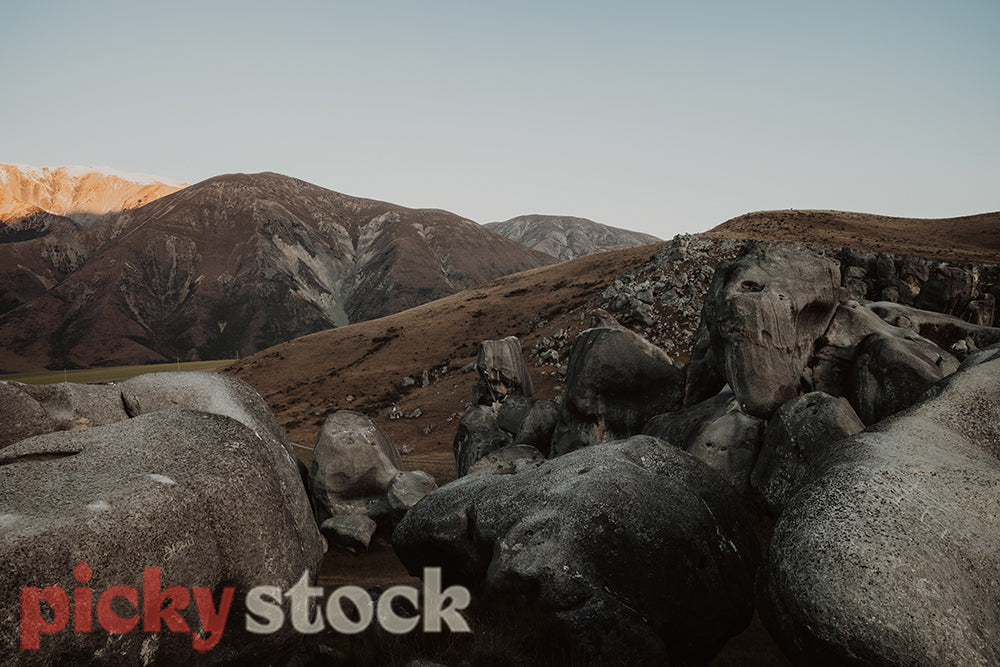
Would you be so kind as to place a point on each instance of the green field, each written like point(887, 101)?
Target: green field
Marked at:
point(112, 373)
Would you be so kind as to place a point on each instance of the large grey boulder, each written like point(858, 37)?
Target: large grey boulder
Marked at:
point(198, 496)
point(891, 373)
point(716, 431)
point(891, 554)
point(352, 458)
point(35, 409)
point(356, 471)
point(763, 314)
point(616, 381)
point(501, 366)
point(638, 549)
point(796, 438)
point(478, 434)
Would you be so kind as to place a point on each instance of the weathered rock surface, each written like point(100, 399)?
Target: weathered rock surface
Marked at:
point(889, 556)
point(794, 442)
point(501, 366)
point(616, 381)
point(762, 316)
point(538, 426)
point(638, 548)
point(891, 373)
point(351, 531)
point(199, 496)
point(478, 434)
point(716, 431)
point(507, 460)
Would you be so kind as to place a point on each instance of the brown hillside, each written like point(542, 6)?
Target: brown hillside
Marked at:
point(972, 238)
point(237, 263)
point(306, 379)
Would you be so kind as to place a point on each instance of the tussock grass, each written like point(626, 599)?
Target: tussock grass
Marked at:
point(85, 375)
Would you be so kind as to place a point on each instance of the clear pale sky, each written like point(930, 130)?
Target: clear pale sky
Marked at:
point(662, 117)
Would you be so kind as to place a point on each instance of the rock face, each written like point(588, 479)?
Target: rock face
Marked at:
point(566, 237)
point(501, 366)
point(356, 471)
point(197, 495)
point(478, 434)
point(638, 548)
point(796, 439)
point(240, 262)
point(762, 315)
point(616, 381)
point(891, 373)
point(889, 555)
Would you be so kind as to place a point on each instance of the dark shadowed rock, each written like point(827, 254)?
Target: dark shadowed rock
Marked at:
point(889, 555)
point(948, 290)
point(832, 366)
point(639, 549)
point(199, 496)
point(616, 381)
point(795, 439)
point(763, 313)
point(478, 434)
point(350, 531)
point(716, 431)
point(891, 373)
point(539, 424)
point(501, 366)
point(513, 411)
point(678, 428)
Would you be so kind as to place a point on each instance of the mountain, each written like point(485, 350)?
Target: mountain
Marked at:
point(566, 237)
point(972, 238)
point(239, 262)
point(83, 194)
point(21, 221)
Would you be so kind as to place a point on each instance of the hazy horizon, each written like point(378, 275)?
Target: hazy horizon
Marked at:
point(651, 117)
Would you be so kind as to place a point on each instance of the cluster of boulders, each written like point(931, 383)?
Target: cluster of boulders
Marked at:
point(680, 274)
point(868, 429)
point(187, 473)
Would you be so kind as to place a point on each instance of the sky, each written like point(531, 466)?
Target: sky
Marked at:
point(662, 117)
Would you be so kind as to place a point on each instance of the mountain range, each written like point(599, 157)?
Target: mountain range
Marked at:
point(566, 237)
point(85, 195)
point(229, 266)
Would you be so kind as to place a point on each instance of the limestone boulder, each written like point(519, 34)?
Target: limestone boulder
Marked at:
point(763, 314)
point(615, 382)
point(639, 550)
point(795, 440)
point(199, 497)
point(890, 555)
point(501, 367)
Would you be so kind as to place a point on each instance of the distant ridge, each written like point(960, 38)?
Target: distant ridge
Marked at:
point(971, 238)
point(566, 237)
point(83, 194)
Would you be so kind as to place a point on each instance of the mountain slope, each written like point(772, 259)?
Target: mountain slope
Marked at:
point(236, 263)
point(84, 194)
point(973, 238)
point(21, 221)
point(565, 237)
